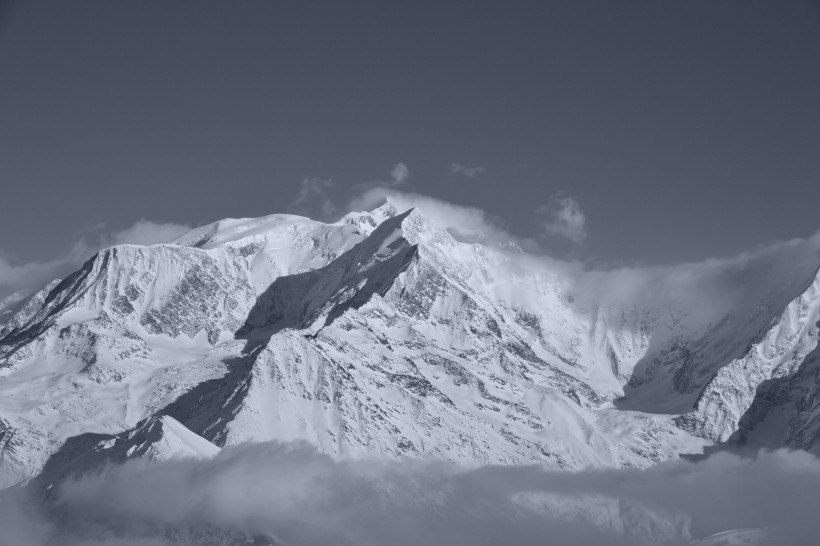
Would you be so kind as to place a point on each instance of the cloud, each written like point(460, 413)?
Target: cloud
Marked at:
point(466, 224)
point(145, 232)
point(470, 172)
point(313, 199)
point(304, 498)
point(698, 293)
point(399, 174)
point(18, 276)
point(768, 277)
point(702, 291)
point(566, 219)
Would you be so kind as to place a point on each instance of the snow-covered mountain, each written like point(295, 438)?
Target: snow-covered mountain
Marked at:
point(384, 334)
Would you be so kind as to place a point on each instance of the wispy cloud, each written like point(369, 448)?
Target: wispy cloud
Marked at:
point(144, 232)
point(466, 224)
point(16, 275)
point(565, 218)
point(399, 174)
point(704, 290)
point(313, 199)
point(398, 177)
point(470, 172)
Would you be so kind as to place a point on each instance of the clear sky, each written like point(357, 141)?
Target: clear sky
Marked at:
point(620, 132)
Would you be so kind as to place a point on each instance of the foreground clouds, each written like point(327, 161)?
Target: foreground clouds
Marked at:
point(301, 497)
point(31, 275)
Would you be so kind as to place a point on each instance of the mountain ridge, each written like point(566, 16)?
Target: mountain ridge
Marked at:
point(383, 334)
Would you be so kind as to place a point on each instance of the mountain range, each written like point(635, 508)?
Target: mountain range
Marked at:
point(387, 334)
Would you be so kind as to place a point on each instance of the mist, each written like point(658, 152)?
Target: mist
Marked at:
point(16, 275)
point(293, 493)
point(701, 292)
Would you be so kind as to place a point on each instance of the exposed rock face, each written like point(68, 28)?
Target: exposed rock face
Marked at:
point(383, 334)
point(776, 358)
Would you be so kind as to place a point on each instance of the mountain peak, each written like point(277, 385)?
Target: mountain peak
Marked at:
point(370, 220)
point(381, 333)
point(387, 209)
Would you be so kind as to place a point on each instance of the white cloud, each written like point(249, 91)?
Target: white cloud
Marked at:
point(399, 174)
point(470, 172)
point(18, 276)
point(15, 276)
point(566, 219)
point(145, 232)
point(704, 290)
point(313, 199)
point(466, 224)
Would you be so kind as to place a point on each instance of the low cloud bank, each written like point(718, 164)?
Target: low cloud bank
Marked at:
point(300, 497)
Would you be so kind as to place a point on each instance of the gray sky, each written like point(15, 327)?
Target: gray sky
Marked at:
point(621, 132)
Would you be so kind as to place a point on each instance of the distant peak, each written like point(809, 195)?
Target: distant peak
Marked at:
point(388, 209)
point(368, 221)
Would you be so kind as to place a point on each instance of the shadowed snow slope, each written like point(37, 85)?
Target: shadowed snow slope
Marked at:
point(383, 334)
